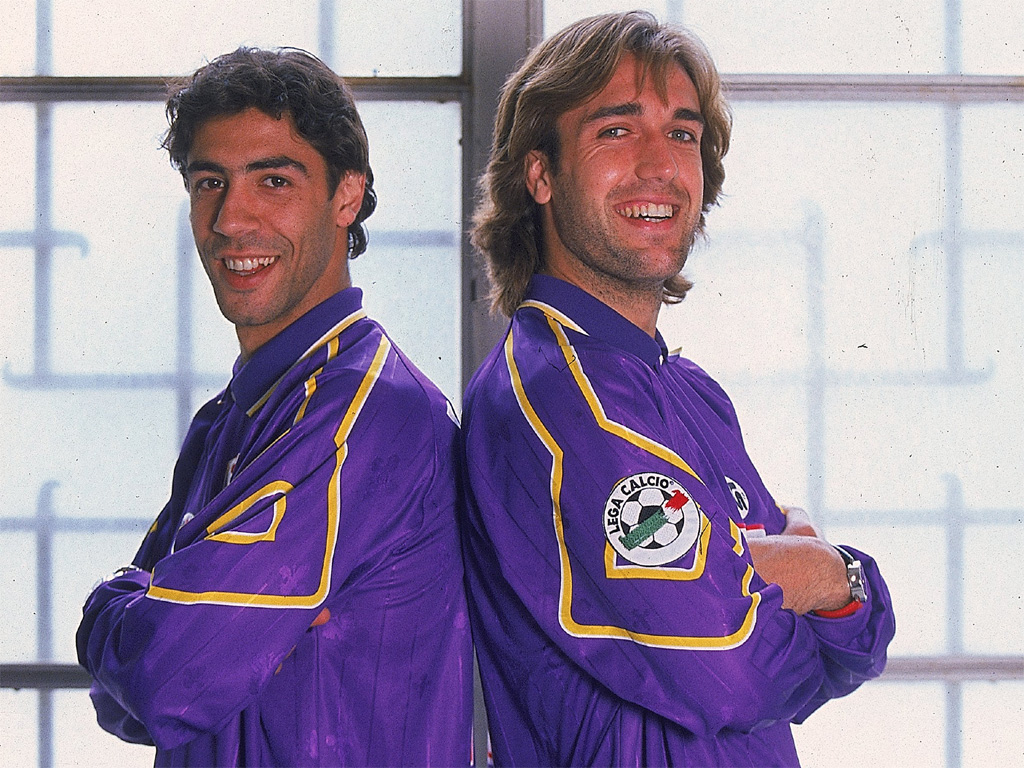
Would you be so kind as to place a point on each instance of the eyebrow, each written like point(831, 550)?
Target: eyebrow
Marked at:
point(266, 163)
point(688, 114)
point(632, 108)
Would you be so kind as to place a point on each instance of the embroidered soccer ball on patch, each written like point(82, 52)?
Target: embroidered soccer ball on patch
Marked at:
point(650, 519)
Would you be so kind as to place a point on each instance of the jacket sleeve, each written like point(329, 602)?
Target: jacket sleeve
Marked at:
point(182, 650)
point(651, 592)
point(113, 718)
point(853, 649)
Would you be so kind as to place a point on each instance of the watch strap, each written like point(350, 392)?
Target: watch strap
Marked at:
point(854, 575)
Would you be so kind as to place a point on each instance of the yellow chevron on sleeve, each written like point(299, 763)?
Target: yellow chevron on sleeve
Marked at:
point(653, 447)
point(333, 515)
point(310, 385)
point(310, 388)
point(276, 488)
point(734, 530)
point(332, 334)
point(566, 620)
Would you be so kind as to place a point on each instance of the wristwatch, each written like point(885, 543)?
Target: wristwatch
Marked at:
point(854, 575)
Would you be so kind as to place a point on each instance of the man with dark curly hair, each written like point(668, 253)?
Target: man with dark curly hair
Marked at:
point(299, 600)
point(638, 597)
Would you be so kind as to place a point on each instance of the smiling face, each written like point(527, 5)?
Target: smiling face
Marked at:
point(273, 240)
point(620, 211)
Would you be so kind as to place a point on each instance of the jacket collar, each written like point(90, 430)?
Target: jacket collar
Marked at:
point(597, 319)
point(254, 377)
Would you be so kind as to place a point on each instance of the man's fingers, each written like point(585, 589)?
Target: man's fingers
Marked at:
point(798, 523)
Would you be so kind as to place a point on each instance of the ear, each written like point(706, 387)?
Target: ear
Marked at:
point(348, 198)
point(538, 176)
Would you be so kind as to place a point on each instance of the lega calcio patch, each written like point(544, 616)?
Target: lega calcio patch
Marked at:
point(650, 519)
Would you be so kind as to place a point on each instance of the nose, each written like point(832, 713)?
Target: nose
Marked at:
point(656, 159)
point(236, 213)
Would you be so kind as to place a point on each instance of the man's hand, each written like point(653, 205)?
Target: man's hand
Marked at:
point(798, 523)
point(810, 571)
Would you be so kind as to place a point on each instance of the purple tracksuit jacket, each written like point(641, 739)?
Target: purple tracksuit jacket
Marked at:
point(324, 476)
point(617, 617)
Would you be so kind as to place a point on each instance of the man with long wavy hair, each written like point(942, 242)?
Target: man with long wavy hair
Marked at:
point(637, 595)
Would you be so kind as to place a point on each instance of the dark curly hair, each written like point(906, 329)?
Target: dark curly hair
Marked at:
point(278, 82)
point(558, 75)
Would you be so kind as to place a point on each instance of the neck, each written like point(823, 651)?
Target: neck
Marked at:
point(639, 306)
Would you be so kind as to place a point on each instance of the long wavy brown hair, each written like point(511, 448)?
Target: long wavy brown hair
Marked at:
point(560, 74)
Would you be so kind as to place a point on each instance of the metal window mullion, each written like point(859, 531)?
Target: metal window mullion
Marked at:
point(992, 669)
point(953, 252)
point(47, 89)
point(904, 88)
point(500, 36)
point(42, 353)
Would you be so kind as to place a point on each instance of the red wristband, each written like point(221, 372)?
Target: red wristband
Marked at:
point(840, 613)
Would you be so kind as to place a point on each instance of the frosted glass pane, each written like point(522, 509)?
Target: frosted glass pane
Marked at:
point(18, 41)
point(993, 596)
point(17, 132)
point(89, 444)
point(993, 166)
point(816, 184)
point(413, 292)
point(992, 32)
point(20, 744)
point(80, 561)
point(730, 297)
point(19, 629)
point(117, 37)
point(912, 560)
point(397, 38)
point(115, 299)
point(773, 416)
point(890, 724)
point(993, 713)
point(81, 743)
point(410, 273)
point(900, 37)
point(832, 244)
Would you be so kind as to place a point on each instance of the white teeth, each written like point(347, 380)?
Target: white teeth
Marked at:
point(647, 211)
point(248, 265)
